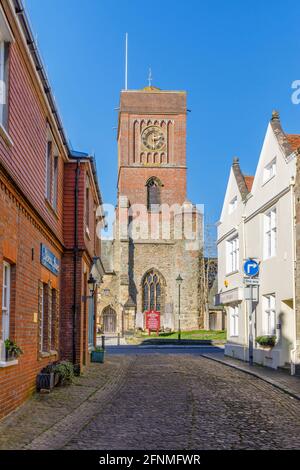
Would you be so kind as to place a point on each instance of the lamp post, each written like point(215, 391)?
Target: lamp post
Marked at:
point(179, 282)
point(92, 285)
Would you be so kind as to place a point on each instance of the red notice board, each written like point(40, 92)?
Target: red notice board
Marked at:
point(152, 321)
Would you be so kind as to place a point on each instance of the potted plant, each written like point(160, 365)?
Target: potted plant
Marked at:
point(12, 350)
point(47, 378)
point(65, 372)
point(266, 341)
point(98, 355)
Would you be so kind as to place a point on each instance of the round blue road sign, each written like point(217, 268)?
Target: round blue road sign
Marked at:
point(251, 267)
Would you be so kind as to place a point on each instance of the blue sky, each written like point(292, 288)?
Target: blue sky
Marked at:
point(236, 59)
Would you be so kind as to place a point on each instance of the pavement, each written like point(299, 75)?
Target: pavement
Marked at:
point(280, 378)
point(158, 398)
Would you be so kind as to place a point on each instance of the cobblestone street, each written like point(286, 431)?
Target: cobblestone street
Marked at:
point(184, 402)
point(157, 401)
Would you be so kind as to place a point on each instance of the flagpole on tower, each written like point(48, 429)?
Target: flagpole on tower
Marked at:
point(126, 61)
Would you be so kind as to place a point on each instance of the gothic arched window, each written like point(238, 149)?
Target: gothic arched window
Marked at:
point(153, 194)
point(152, 292)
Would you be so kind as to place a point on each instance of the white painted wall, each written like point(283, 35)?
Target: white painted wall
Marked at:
point(276, 273)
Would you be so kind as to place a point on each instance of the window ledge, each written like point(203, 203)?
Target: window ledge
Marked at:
point(8, 363)
point(44, 354)
point(232, 272)
point(5, 136)
point(51, 208)
point(269, 257)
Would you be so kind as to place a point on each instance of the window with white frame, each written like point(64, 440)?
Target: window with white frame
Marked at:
point(55, 181)
point(48, 169)
point(233, 205)
point(5, 39)
point(6, 285)
point(234, 320)
point(232, 257)
point(270, 233)
point(269, 314)
point(269, 170)
point(4, 48)
point(52, 168)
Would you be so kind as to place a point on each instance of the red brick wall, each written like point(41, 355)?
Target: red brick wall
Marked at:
point(86, 251)
point(85, 242)
point(19, 234)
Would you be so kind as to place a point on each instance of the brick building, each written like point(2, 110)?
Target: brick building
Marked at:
point(151, 246)
point(48, 200)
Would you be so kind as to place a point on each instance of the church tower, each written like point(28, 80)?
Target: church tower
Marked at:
point(152, 143)
point(152, 190)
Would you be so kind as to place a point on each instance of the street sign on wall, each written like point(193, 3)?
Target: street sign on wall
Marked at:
point(49, 260)
point(251, 267)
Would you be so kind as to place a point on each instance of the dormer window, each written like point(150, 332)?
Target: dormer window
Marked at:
point(270, 170)
point(233, 205)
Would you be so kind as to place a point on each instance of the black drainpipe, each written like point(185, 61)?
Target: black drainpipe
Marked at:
point(75, 254)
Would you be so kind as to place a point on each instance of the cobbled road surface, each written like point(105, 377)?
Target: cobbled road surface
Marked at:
point(169, 401)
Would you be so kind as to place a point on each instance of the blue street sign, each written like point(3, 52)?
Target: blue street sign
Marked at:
point(251, 267)
point(49, 260)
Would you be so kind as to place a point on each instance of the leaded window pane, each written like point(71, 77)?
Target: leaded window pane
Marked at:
point(152, 296)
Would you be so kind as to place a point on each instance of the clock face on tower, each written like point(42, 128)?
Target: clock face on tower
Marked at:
point(153, 138)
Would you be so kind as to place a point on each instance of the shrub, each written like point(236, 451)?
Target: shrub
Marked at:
point(12, 348)
point(65, 370)
point(266, 340)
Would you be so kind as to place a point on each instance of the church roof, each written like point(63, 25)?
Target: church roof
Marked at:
point(130, 302)
point(150, 88)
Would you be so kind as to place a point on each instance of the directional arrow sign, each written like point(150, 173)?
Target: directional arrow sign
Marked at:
point(251, 267)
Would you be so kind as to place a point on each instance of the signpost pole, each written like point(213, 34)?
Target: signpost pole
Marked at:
point(251, 270)
point(251, 327)
point(179, 328)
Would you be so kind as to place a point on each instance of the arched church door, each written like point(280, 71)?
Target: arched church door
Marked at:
point(109, 320)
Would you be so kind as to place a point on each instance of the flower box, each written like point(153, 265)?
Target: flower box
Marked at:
point(97, 356)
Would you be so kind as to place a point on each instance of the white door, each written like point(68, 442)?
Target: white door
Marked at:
point(5, 301)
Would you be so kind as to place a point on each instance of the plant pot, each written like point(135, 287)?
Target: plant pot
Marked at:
point(97, 356)
point(56, 379)
point(10, 355)
point(46, 381)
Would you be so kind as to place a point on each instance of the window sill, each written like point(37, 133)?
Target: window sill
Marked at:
point(269, 257)
point(232, 272)
point(45, 354)
point(4, 364)
point(5, 136)
point(51, 208)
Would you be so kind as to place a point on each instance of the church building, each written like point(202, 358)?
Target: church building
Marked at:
point(157, 231)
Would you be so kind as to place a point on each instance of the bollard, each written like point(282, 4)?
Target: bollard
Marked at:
point(103, 341)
